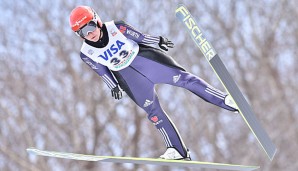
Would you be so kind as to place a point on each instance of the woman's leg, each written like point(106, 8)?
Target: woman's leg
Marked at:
point(142, 91)
point(160, 73)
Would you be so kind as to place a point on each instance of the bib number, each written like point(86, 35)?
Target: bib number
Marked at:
point(122, 55)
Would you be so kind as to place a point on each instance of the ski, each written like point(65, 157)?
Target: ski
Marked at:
point(135, 160)
point(224, 76)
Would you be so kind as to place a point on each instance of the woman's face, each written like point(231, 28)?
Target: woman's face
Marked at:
point(95, 35)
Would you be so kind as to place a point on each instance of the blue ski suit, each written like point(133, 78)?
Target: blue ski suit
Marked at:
point(152, 66)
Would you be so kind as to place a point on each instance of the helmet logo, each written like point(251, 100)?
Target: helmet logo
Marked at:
point(78, 22)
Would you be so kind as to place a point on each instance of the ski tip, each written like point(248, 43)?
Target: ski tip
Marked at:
point(180, 9)
point(181, 12)
point(31, 150)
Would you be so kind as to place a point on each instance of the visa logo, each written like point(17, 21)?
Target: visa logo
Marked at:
point(112, 50)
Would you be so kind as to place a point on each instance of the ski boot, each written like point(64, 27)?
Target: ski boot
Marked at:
point(173, 154)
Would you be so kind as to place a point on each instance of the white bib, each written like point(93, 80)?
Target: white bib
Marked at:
point(119, 52)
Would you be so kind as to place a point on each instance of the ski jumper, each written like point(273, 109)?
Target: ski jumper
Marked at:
point(124, 57)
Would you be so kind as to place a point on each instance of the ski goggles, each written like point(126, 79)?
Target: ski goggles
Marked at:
point(88, 28)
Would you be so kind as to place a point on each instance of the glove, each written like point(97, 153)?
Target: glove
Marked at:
point(116, 92)
point(164, 43)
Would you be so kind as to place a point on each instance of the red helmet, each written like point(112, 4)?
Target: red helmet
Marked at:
point(82, 15)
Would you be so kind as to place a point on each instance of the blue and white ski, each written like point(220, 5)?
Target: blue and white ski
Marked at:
point(135, 160)
point(224, 76)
